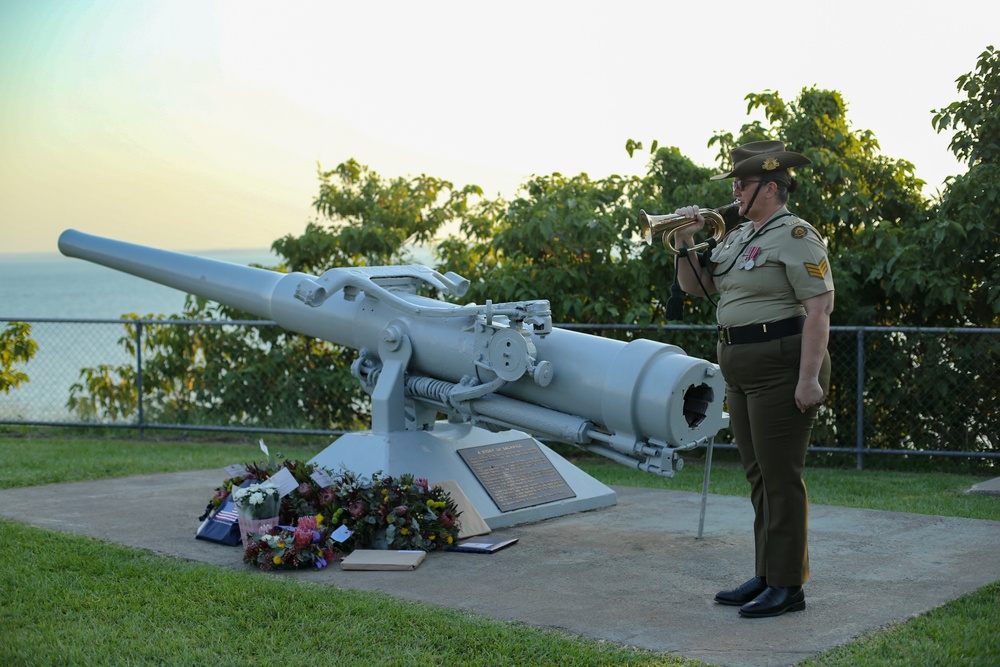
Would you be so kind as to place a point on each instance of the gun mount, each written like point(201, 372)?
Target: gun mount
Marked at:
point(498, 371)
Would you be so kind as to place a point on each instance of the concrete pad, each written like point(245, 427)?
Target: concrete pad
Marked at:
point(632, 574)
point(990, 487)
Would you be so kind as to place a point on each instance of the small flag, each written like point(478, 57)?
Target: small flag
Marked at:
point(227, 516)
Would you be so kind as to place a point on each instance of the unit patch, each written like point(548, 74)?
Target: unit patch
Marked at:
point(817, 270)
point(799, 232)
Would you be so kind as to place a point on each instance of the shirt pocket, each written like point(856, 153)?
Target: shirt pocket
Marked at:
point(759, 260)
point(723, 255)
point(760, 278)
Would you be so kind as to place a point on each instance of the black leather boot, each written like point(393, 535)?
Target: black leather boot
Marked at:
point(743, 593)
point(775, 601)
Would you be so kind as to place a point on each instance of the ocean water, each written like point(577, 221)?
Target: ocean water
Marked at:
point(53, 286)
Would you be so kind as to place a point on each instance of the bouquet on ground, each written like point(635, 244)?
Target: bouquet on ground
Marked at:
point(309, 499)
point(257, 501)
point(398, 512)
point(286, 548)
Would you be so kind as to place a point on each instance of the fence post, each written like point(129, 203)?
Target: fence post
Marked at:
point(860, 436)
point(138, 373)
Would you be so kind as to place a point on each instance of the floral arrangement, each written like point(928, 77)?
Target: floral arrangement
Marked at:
point(308, 500)
point(257, 501)
point(284, 547)
point(380, 511)
point(414, 515)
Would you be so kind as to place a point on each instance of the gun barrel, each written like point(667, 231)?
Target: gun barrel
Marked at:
point(244, 287)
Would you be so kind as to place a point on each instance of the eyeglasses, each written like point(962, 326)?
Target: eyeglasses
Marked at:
point(740, 185)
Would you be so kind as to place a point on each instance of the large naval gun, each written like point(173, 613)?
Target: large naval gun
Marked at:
point(503, 376)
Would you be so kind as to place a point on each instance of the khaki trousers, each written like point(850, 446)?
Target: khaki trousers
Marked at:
point(772, 436)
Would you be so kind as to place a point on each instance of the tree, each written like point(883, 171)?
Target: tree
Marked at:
point(970, 206)
point(16, 347)
point(563, 239)
point(371, 221)
point(941, 269)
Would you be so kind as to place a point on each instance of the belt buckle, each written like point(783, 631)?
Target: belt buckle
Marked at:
point(725, 337)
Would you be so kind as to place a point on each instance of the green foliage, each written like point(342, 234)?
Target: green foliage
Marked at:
point(209, 374)
point(16, 347)
point(568, 238)
point(372, 220)
point(940, 269)
point(976, 119)
point(970, 205)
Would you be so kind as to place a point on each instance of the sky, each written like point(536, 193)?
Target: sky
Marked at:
point(201, 124)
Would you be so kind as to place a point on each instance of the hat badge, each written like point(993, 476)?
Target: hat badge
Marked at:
point(770, 164)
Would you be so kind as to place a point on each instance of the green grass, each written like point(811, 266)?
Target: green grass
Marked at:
point(941, 494)
point(72, 600)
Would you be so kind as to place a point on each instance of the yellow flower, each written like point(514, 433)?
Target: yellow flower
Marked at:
point(431, 537)
point(450, 539)
point(319, 519)
point(404, 531)
point(388, 519)
point(277, 560)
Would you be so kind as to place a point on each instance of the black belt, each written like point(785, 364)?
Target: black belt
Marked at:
point(758, 333)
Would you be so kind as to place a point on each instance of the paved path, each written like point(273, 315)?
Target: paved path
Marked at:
point(633, 573)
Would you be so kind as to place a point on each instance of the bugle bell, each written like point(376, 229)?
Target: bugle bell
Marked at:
point(666, 225)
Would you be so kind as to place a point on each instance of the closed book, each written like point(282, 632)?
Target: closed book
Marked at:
point(483, 545)
point(380, 559)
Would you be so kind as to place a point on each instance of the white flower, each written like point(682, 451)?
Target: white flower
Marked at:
point(255, 494)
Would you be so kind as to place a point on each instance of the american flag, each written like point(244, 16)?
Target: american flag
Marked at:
point(227, 515)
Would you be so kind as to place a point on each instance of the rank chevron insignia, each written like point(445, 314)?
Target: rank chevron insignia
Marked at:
point(817, 270)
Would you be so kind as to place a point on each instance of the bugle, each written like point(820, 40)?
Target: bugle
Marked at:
point(666, 225)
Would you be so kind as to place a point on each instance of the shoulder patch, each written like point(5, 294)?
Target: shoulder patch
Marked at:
point(817, 270)
point(799, 232)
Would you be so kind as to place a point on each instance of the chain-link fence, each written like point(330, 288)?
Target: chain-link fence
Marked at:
point(903, 391)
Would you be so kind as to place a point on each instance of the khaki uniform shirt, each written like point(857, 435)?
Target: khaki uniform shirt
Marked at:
point(789, 264)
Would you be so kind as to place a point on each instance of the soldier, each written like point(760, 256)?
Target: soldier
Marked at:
point(776, 293)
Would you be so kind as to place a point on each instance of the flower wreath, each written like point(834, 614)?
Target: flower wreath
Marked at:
point(285, 547)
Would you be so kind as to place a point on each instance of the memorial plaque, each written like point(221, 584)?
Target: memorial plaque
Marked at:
point(516, 474)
